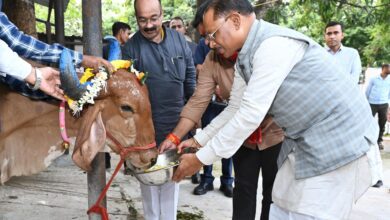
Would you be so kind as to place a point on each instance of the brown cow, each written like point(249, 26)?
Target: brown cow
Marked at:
point(29, 130)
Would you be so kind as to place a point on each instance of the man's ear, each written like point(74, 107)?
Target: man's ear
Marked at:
point(236, 18)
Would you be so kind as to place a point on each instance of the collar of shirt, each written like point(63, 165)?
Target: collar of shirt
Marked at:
point(331, 51)
point(380, 77)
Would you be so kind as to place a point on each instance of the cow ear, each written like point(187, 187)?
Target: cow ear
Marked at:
point(91, 137)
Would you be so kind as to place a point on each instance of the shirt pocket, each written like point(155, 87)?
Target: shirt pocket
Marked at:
point(180, 67)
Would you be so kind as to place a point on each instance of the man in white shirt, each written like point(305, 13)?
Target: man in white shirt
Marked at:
point(323, 163)
point(47, 77)
point(347, 57)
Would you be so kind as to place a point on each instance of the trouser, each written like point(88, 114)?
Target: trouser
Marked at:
point(226, 178)
point(381, 109)
point(160, 202)
point(107, 157)
point(247, 165)
point(214, 109)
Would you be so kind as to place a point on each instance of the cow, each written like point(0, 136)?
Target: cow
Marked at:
point(30, 132)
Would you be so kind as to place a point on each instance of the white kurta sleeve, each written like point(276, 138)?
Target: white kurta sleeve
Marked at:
point(272, 62)
point(12, 64)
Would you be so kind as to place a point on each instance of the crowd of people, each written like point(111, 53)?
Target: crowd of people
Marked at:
point(266, 97)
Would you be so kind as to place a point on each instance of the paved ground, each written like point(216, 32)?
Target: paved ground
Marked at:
point(61, 193)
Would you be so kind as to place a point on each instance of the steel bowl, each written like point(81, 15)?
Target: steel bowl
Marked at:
point(162, 171)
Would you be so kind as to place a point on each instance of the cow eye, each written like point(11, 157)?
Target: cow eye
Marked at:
point(127, 108)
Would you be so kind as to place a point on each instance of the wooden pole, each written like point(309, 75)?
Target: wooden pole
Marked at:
point(92, 36)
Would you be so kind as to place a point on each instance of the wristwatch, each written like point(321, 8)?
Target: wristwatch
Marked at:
point(38, 80)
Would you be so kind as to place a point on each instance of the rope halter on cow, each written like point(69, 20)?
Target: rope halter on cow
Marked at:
point(124, 151)
point(80, 92)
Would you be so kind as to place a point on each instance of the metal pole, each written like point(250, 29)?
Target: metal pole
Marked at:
point(59, 21)
point(92, 37)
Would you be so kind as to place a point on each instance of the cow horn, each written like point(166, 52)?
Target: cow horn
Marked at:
point(69, 80)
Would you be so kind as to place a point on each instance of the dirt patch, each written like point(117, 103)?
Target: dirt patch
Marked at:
point(189, 216)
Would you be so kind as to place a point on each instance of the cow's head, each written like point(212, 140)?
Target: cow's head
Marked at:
point(123, 110)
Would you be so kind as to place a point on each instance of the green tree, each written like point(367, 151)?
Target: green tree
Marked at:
point(73, 19)
point(365, 22)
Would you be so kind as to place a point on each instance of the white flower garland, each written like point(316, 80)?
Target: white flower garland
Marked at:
point(99, 82)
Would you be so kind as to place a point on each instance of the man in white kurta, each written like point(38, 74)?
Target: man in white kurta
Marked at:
point(276, 65)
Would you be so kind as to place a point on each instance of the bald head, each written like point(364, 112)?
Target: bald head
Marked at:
point(145, 3)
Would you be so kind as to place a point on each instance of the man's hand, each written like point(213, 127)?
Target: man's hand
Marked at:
point(186, 144)
point(189, 164)
point(50, 82)
point(94, 63)
point(166, 145)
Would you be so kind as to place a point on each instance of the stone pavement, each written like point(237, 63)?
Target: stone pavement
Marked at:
point(61, 193)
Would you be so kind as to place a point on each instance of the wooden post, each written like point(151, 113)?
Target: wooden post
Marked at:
point(22, 14)
point(59, 21)
point(92, 36)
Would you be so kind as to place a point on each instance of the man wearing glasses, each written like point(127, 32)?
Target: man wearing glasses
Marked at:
point(259, 151)
point(164, 54)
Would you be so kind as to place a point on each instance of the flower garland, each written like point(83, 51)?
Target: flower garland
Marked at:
point(140, 75)
point(99, 82)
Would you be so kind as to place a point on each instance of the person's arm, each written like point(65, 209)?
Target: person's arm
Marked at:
point(356, 67)
point(190, 80)
point(29, 47)
point(369, 87)
point(196, 105)
point(236, 94)
point(388, 98)
point(268, 75)
point(12, 64)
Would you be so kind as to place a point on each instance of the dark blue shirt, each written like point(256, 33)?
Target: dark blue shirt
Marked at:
point(171, 79)
point(192, 46)
point(201, 52)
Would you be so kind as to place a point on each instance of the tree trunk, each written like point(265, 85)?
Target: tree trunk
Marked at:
point(22, 14)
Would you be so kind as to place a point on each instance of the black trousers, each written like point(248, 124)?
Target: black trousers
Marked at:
point(247, 164)
point(381, 109)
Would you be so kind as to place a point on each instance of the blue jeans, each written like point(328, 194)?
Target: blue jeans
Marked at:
point(213, 109)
